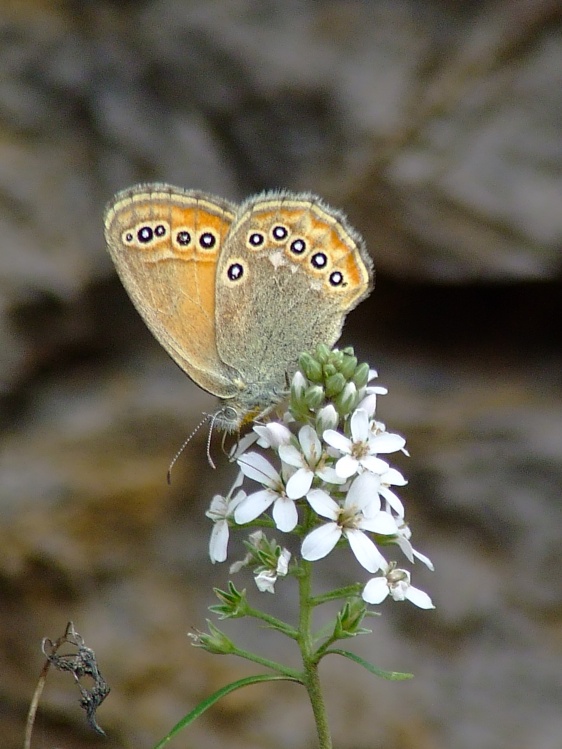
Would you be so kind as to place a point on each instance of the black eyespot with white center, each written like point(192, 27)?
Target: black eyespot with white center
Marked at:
point(129, 236)
point(298, 246)
point(336, 278)
point(145, 234)
point(183, 238)
point(319, 260)
point(256, 239)
point(279, 233)
point(207, 240)
point(160, 230)
point(235, 272)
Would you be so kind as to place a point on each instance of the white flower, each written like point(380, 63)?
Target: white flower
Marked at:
point(359, 452)
point(396, 583)
point(265, 579)
point(360, 512)
point(308, 463)
point(221, 509)
point(285, 515)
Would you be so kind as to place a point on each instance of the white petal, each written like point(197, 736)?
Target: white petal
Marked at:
point(337, 440)
point(254, 505)
point(419, 598)
point(377, 389)
point(242, 445)
point(286, 473)
point(364, 494)
point(329, 475)
point(382, 523)
point(374, 465)
point(426, 560)
point(369, 404)
point(310, 444)
point(265, 581)
point(235, 501)
point(273, 434)
point(285, 514)
point(283, 562)
point(237, 566)
point(257, 538)
point(386, 443)
point(219, 541)
point(405, 546)
point(299, 483)
point(291, 455)
point(256, 467)
point(392, 500)
point(359, 425)
point(323, 504)
point(365, 550)
point(376, 590)
point(320, 542)
point(218, 507)
point(393, 478)
point(346, 466)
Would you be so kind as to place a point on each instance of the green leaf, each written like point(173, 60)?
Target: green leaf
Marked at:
point(206, 704)
point(389, 675)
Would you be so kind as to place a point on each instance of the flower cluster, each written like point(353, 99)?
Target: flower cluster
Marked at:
point(331, 483)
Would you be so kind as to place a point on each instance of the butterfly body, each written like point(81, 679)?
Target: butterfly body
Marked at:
point(235, 293)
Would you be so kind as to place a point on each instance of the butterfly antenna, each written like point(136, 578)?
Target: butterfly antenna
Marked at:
point(186, 443)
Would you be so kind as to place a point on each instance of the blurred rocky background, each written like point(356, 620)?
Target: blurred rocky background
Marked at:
point(437, 127)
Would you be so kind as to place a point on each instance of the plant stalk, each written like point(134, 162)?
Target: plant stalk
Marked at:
point(310, 663)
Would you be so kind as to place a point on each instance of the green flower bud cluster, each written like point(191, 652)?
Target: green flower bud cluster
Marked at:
point(328, 376)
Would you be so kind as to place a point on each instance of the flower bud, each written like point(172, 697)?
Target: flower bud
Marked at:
point(314, 396)
point(334, 385)
point(361, 376)
point(311, 367)
point(347, 400)
point(322, 353)
point(348, 367)
point(327, 418)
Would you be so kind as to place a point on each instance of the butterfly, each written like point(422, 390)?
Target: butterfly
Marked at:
point(235, 293)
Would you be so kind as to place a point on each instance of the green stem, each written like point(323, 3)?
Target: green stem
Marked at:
point(273, 622)
point(310, 663)
point(334, 595)
point(290, 673)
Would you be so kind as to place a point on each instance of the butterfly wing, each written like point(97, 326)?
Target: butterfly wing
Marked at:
point(290, 271)
point(165, 243)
